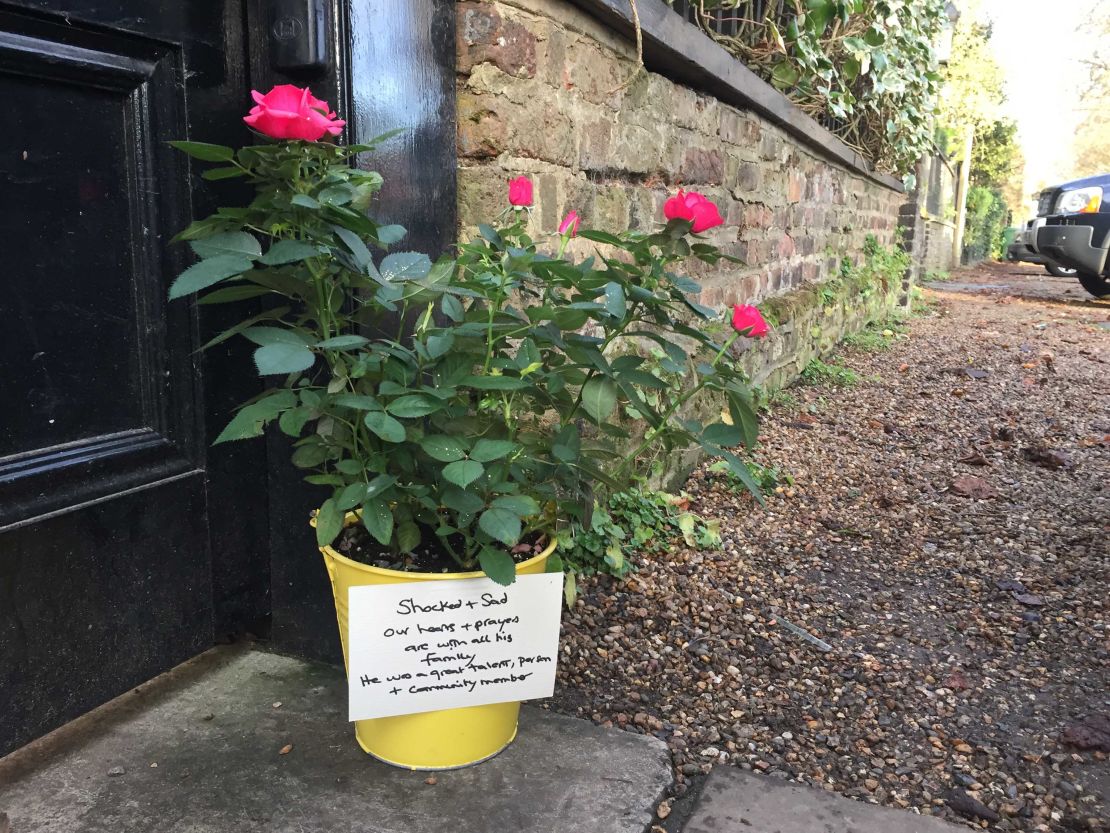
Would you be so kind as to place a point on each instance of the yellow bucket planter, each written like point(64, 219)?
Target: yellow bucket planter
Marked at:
point(444, 739)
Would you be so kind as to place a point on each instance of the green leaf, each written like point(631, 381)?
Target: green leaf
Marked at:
point(502, 524)
point(351, 496)
point(615, 303)
point(288, 251)
point(452, 307)
point(388, 235)
point(465, 503)
point(268, 315)
point(310, 455)
point(274, 335)
point(205, 151)
point(599, 398)
point(227, 243)
point(486, 451)
point(355, 245)
point(443, 448)
point(440, 345)
point(343, 342)
point(743, 473)
point(723, 435)
point(275, 359)
point(405, 266)
point(521, 505)
point(463, 472)
point(230, 294)
point(498, 565)
point(358, 401)
point(601, 237)
point(415, 405)
point(743, 416)
point(292, 422)
point(209, 271)
point(570, 589)
point(385, 426)
point(304, 201)
point(379, 484)
point(378, 520)
point(567, 444)
point(408, 536)
point(250, 420)
point(785, 74)
point(213, 174)
point(329, 522)
point(493, 382)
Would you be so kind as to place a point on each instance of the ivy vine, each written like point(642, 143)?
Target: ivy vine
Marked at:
point(867, 66)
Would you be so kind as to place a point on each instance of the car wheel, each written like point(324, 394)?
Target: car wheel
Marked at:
point(1060, 271)
point(1095, 284)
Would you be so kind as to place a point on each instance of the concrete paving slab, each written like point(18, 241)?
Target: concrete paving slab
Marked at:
point(198, 751)
point(737, 801)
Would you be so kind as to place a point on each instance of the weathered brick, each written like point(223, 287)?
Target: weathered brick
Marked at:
point(702, 165)
point(483, 36)
point(481, 134)
point(750, 177)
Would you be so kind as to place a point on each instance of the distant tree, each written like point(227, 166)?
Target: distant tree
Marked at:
point(994, 154)
point(1092, 137)
point(973, 89)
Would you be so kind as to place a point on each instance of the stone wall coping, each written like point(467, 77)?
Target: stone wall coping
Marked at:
point(681, 51)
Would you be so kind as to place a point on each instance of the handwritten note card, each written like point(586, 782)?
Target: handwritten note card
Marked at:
point(428, 645)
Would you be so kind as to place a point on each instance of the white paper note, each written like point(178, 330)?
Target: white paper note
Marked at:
point(427, 645)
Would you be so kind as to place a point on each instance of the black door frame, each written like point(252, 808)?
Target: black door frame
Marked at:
point(394, 68)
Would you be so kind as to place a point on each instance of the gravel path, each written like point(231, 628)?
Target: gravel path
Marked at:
point(945, 535)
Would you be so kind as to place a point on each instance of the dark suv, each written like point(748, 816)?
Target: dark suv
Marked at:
point(1076, 232)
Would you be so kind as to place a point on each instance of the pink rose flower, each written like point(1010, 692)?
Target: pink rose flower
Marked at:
point(692, 206)
point(569, 226)
point(747, 317)
point(288, 112)
point(520, 191)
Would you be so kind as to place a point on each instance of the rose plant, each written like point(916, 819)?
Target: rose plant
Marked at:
point(468, 400)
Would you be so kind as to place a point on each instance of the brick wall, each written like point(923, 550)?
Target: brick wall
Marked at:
point(546, 90)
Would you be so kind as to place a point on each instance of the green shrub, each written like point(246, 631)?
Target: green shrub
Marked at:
point(818, 372)
point(636, 520)
point(983, 225)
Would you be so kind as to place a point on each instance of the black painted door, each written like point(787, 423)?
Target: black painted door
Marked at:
point(123, 549)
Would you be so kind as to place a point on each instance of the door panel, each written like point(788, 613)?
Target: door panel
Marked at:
point(88, 186)
point(106, 541)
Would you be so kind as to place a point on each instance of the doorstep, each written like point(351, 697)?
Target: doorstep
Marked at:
point(737, 801)
point(199, 749)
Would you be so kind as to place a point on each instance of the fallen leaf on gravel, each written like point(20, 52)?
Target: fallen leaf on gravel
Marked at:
point(974, 458)
point(973, 487)
point(957, 682)
point(664, 810)
point(1092, 732)
point(1050, 458)
point(970, 807)
point(285, 750)
point(1029, 599)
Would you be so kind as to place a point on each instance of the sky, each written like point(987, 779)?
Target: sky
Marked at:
point(1040, 46)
